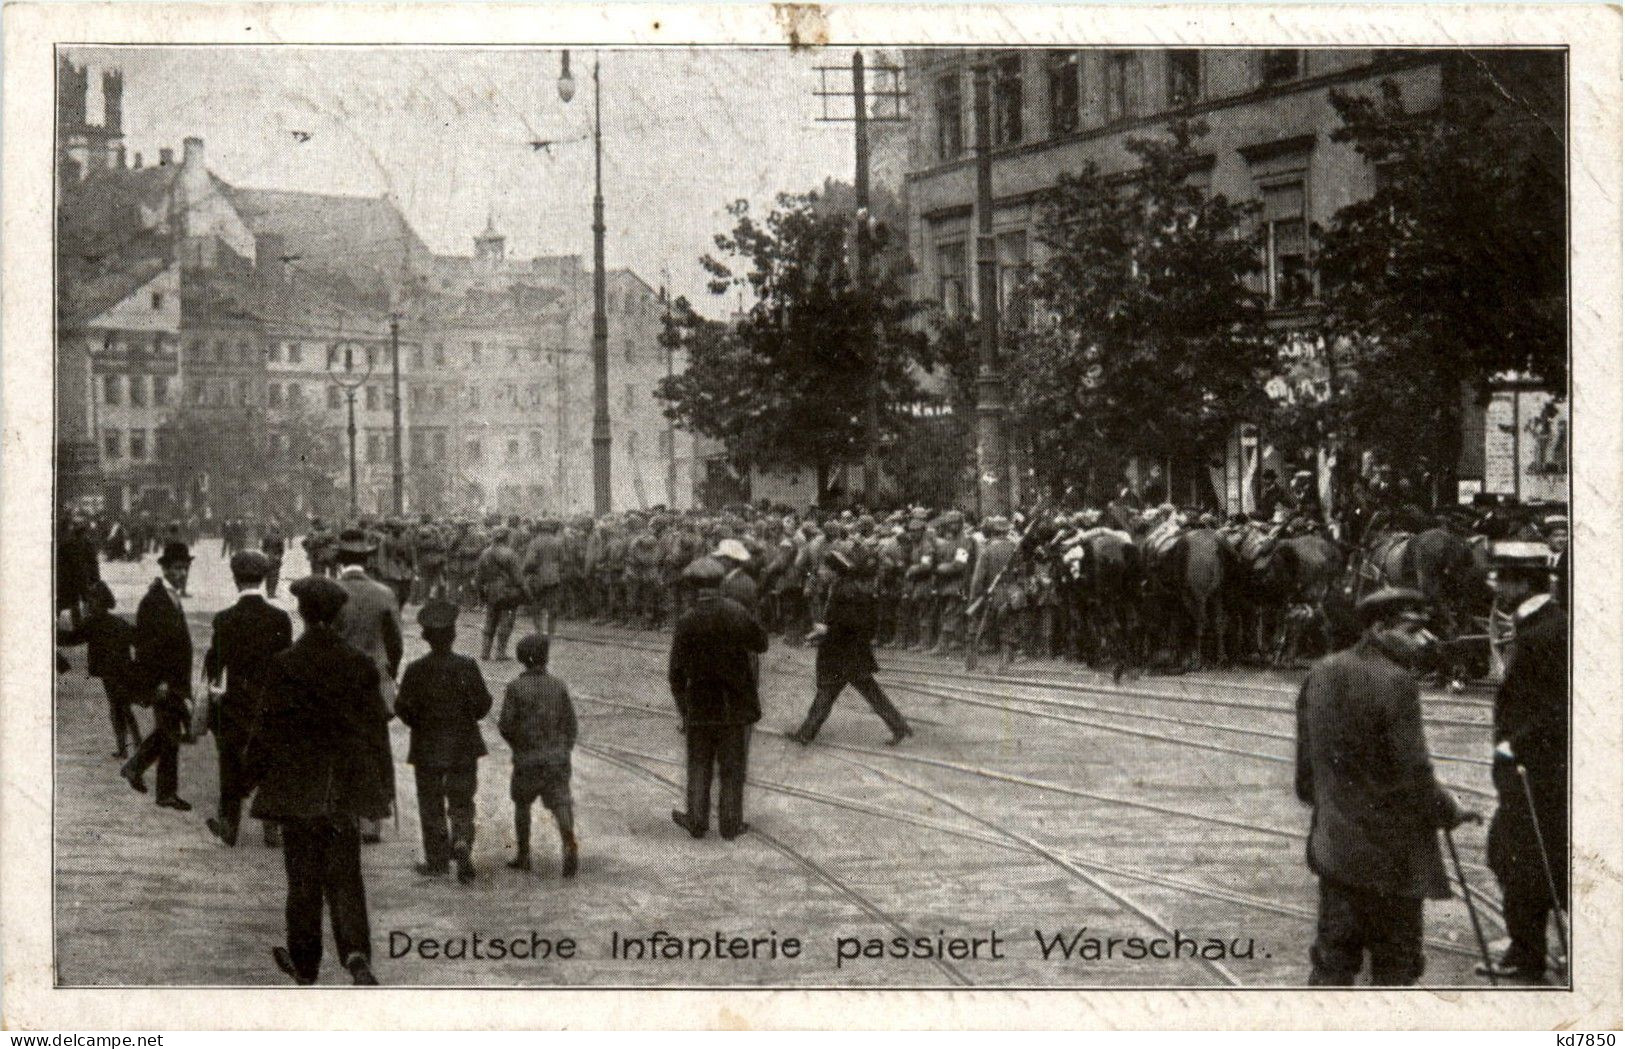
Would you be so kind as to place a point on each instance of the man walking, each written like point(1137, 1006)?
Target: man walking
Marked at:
point(844, 635)
point(715, 692)
point(370, 620)
point(319, 756)
point(246, 636)
point(1363, 765)
point(1528, 846)
point(442, 699)
point(163, 655)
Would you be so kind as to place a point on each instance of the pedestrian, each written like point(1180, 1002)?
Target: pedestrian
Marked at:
point(163, 648)
point(319, 758)
point(273, 545)
point(371, 622)
point(1529, 835)
point(539, 724)
point(1363, 765)
point(246, 636)
point(441, 700)
point(715, 692)
point(844, 635)
point(543, 574)
point(498, 576)
point(109, 643)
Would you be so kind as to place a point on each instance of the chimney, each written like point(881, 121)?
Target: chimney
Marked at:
point(194, 153)
point(269, 248)
point(166, 157)
point(138, 161)
point(113, 101)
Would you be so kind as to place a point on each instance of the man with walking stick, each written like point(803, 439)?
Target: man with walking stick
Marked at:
point(1528, 845)
point(1362, 763)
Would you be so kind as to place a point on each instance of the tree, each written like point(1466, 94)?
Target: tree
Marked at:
point(245, 462)
point(785, 384)
point(1455, 269)
point(1148, 340)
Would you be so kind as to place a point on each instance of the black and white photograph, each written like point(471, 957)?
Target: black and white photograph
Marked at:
point(974, 515)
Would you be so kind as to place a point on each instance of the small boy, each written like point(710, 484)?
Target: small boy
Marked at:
point(109, 645)
point(539, 724)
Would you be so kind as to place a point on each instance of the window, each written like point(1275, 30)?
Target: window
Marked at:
point(415, 396)
point(372, 398)
point(628, 395)
point(160, 390)
point(951, 274)
point(1280, 64)
point(333, 357)
point(1007, 101)
point(273, 353)
point(194, 392)
point(294, 353)
point(296, 395)
point(510, 395)
point(417, 358)
point(372, 357)
point(110, 444)
point(221, 351)
point(194, 351)
point(474, 452)
point(138, 391)
point(1184, 77)
point(1061, 69)
point(1013, 270)
point(535, 444)
point(473, 396)
point(335, 397)
point(157, 300)
point(375, 448)
point(513, 447)
point(629, 351)
point(138, 444)
point(1122, 84)
point(513, 354)
point(112, 388)
point(1290, 282)
point(949, 106)
point(274, 395)
point(245, 394)
point(535, 355)
point(534, 392)
point(245, 354)
point(474, 349)
point(439, 397)
point(439, 355)
point(420, 448)
point(165, 445)
point(437, 446)
point(665, 442)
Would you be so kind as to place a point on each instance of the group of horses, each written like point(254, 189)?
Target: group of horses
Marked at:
point(1172, 595)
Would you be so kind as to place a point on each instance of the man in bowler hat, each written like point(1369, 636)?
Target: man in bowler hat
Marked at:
point(246, 636)
point(442, 699)
point(1363, 764)
point(319, 756)
point(163, 652)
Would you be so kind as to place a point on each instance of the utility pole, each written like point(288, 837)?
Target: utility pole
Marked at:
point(668, 337)
point(887, 93)
point(600, 318)
point(395, 405)
point(993, 485)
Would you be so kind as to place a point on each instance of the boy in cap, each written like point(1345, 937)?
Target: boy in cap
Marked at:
point(109, 655)
point(539, 723)
point(442, 698)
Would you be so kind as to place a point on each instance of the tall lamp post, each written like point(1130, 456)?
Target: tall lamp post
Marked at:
point(350, 386)
point(600, 319)
point(991, 464)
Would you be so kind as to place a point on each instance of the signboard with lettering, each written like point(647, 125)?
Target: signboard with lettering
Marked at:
point(1526, 445)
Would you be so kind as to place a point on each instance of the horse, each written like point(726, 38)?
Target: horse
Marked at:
point(1107, 581)
point(1186, 582)
point(1449, 569)
point(1285, 586)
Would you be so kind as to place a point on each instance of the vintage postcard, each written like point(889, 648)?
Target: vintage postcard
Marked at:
point(859, 516)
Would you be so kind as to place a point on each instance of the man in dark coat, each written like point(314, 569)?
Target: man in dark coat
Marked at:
point(715, 691)
point(319, 756)
point(109, 655)
point(846, 656)
point(163, 648)
point(1529, 836)
point(442, 699)
point(246, 636)
point(1363, 764)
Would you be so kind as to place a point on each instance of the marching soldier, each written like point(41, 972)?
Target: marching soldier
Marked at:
point(1363, 765)
point(955, 557)
point(471, 541)
point(429, 552)
point(543, 571)
point(919, 582)
point(501, 583)
point(572, 566)
point(246, 636)
point(1528, 846)
point(395, 569)
point(996, 592)
point(892, 556)
point(273, 545)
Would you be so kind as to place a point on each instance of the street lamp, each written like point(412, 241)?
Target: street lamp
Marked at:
point(350, 387)
point(600, 320)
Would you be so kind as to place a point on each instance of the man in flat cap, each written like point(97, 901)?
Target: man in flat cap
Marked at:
point(163, 656)
point(715, 692)
point(442, 699)
point(246, 636)
point(319, 758)
point(371, 622)
point(1363, 764)
point(1528, 847)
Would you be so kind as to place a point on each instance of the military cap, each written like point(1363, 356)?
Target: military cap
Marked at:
point(250, 564)
point(916, 524)
point(954, 517)
point(732, 549)
point(175, 553)
point(319, 597)
point(1388, 601)
point(437, 614)
point(920, 514)
point(703, 572)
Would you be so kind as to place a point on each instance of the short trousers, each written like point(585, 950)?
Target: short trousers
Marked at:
point(550, 782)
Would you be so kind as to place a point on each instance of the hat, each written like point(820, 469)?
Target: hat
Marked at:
point(532, 649)
point(175, 553)
point(1555, 521)
point(1387, 601)
point(250, 564)
point(437, 614)
point(1519, 554)
point(916, 524)
point(703, 572)
point(953, 518)
point(920, 514)
point(732, 549)
point(355, 541)
point(319, 597)
point(101, 596)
